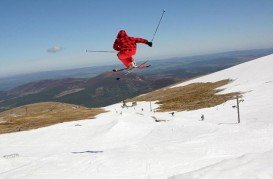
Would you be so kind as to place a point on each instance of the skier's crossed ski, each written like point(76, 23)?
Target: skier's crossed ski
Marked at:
point(141, 66)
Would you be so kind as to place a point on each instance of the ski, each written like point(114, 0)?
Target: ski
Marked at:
point(121, 69)
point(141, 66)
point(138, 67)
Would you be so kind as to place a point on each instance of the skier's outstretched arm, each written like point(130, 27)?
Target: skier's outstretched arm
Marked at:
point(144, 41)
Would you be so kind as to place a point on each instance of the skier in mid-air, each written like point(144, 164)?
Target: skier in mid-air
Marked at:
point(126, 47)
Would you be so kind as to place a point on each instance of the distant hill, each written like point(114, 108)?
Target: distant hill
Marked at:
point(98, 91)
point(187, 67)
point(182, 67)
point(103, 89)
point(17, 80)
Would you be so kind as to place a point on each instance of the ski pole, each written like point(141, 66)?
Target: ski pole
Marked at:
point(158, 25)
point(101, 51)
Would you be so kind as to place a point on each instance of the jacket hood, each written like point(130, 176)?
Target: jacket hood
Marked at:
point(122, 33)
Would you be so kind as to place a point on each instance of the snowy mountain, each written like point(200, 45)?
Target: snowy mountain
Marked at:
point(128, 143)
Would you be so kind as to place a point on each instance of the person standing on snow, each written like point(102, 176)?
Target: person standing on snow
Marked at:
point(202, 117)
point(126, 46)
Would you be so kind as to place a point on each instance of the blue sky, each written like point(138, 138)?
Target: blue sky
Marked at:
point(29, 29)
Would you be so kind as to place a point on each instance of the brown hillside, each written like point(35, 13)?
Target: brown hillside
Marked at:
point(43, 114)
point(191, 97)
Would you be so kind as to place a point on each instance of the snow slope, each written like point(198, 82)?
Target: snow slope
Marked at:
point(128, 143)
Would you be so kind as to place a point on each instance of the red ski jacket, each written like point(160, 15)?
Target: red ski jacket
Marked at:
point(125, 42)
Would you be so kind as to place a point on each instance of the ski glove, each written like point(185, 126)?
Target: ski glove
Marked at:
point(150, 44)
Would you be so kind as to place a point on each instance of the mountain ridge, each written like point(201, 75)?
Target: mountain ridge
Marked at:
point(98, 91)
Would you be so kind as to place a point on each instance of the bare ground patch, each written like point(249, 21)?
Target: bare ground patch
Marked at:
point(191, 97)
point(67, 92)
point(43, 114)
